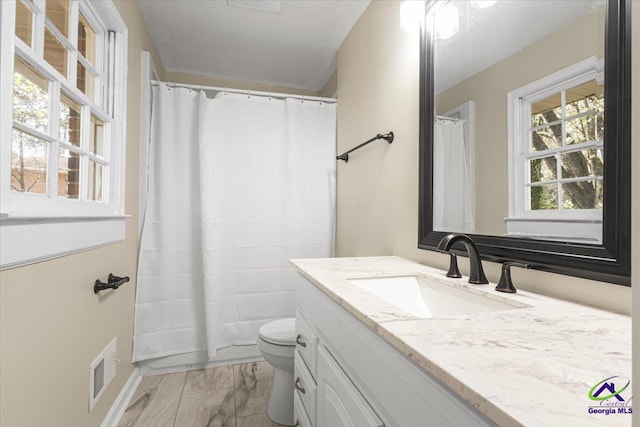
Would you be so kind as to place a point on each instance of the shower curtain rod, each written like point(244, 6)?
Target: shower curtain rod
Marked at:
point(246, 92)
point(451, 119)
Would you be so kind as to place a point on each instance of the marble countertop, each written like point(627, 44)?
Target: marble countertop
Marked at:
point(530, 366)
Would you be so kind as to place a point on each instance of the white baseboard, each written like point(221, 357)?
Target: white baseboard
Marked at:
point(122, 401)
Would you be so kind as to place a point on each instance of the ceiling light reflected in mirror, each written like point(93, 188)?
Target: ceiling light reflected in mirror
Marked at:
point(482, 4)
point(447, 24)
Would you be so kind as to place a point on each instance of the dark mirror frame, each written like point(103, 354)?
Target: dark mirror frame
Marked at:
point(609, 262)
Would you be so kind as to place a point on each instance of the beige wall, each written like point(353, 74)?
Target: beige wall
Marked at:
point(331, 86)
point(635, 218)
point(488, 89)
point(378, 189)
point(206, 80)
point(52, 325)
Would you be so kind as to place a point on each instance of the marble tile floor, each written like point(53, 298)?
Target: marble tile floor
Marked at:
point(226, 396)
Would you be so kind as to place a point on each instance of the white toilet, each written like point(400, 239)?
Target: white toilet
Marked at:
point(277, 343)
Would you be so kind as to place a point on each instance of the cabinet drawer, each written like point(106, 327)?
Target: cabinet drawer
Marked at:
point(305, 387)
point(300, 417)
point(306, 343)
point(340, 403)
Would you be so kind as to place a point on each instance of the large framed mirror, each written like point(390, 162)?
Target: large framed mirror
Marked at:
point(525, 132)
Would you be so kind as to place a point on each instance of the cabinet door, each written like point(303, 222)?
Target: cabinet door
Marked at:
point(299, 413)
point(305, 387)
point(340, 404)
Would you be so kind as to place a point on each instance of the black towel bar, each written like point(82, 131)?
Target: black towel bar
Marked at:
point(113, 282)
point(387, 137)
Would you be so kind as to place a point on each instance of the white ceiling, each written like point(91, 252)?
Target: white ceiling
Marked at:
point(295, 47)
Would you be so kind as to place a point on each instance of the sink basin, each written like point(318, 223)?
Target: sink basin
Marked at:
point(426, 298)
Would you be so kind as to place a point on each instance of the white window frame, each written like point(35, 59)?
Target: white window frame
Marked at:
point(38, 227)
point(576, 225)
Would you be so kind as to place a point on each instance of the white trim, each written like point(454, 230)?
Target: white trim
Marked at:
point(148, 75)
point(7, 47)
point(119, 126)
point(40, 227)
point(572, 230)
point(27, 241)
point(568, 148)
point(552, 83)
point(122, 401)
point(30, 57)
point(589, 68)
point(108, 13)
point(113, 183)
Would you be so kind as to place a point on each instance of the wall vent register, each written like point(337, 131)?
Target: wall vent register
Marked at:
point(101, 371)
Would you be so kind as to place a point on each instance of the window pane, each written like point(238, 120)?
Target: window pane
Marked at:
point(58, 12)
point(28, 163)
point(546, 138)
point(85, 81)
point(54, 52)
point(586, 97)
point(544, 197)
point(95, 181)
point(582, 195)
point(69, 120)
point(24, 22)
point(582, 163)
point(68, 174)
point(600, 127)
point(546, 111)
point(96, 136)
point(544, 169)
point(582, 129)
point(30, 97)
point(86, 40)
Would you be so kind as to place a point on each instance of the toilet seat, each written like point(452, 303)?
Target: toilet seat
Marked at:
point(279, 332)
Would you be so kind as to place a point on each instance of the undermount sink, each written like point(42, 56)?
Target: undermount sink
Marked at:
point(426, 298)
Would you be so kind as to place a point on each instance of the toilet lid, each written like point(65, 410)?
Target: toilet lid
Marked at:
point(280, 332)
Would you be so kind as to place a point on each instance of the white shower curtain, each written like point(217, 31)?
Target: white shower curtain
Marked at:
point(247, 183)
point(452, 210)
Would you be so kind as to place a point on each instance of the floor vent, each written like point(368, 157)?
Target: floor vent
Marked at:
point(101, 372)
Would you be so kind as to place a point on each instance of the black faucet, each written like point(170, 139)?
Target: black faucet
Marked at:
point(505, 284)
point(477, 276)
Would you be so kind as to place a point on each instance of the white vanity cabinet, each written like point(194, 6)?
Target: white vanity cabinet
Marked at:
point(305, 402)
point(324, 395)
point(340, 404)
point(352, 377)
